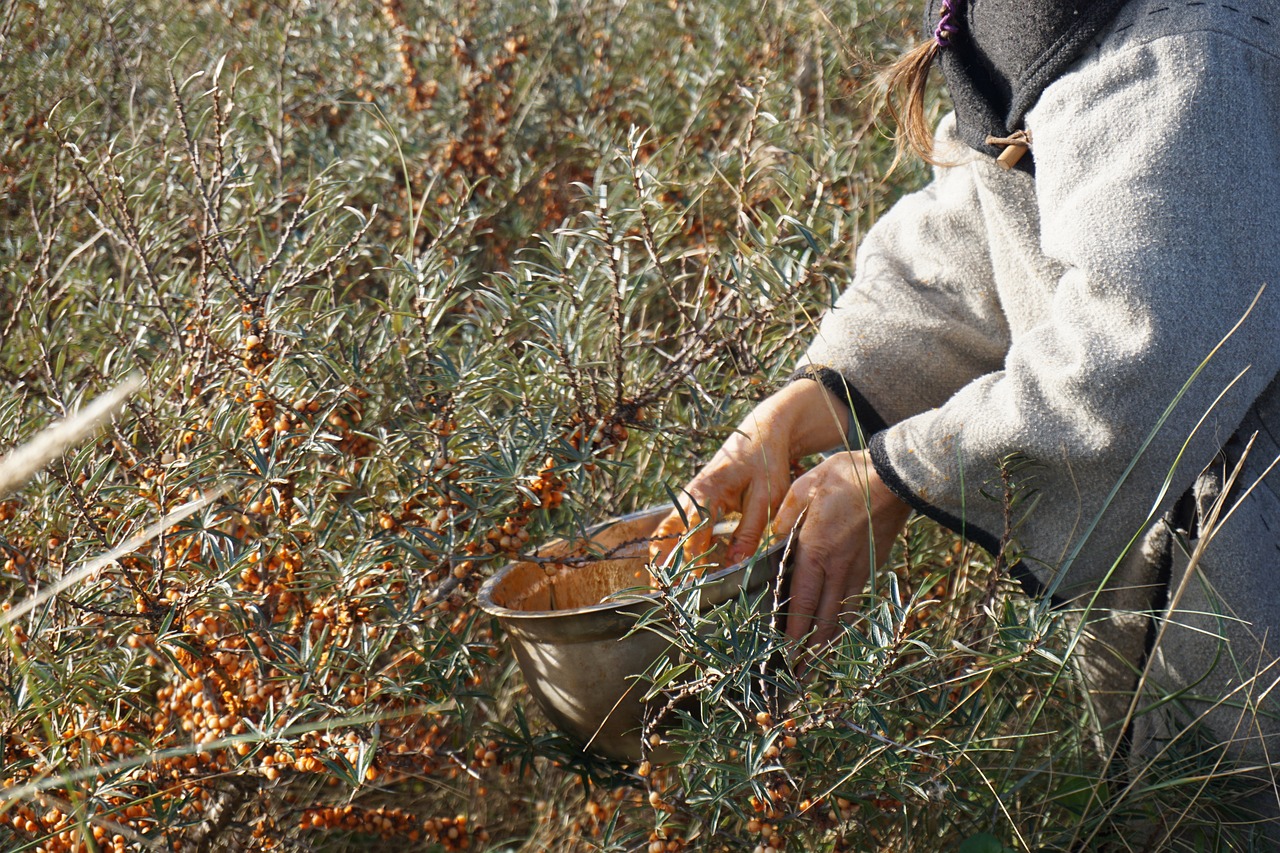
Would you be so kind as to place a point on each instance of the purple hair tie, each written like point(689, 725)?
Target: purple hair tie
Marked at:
point(947, 26)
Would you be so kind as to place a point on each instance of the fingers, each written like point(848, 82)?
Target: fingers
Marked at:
point(823, 582)
point(806, 583)
point(829, 552)
point(668, 532)
point(755, 518)
point(826, 621)
point(793, 505)
point(817, 595)
point(666, 536)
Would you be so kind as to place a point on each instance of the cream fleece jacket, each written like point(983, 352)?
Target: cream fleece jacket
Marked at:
point(1052, 318)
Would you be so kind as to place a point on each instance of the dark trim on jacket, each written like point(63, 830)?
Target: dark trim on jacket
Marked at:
point(1006, 54)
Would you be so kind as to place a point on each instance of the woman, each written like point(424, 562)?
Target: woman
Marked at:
point(1100, 231)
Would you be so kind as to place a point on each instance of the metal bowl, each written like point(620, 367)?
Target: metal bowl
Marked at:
point(574, 630)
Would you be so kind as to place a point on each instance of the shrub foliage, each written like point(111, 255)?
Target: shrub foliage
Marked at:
point(421, 283)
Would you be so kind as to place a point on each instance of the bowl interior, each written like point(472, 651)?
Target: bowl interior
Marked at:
point(604, 569)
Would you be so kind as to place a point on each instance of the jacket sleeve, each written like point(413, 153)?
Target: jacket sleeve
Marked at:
point(920, 318)
point(1157, 168)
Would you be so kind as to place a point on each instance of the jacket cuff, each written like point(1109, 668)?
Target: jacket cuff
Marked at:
point(990, 543)
point(866, 421)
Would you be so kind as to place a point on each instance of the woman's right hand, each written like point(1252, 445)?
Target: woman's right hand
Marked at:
point(751, 472)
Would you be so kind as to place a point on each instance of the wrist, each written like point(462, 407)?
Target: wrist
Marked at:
point(814, 418)
point(862, 419)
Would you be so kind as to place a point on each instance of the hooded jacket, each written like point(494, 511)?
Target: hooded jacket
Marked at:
point(1080, 339)
point(1045, 360)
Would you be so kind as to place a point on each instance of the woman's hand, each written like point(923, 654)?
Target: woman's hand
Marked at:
point(847, 520)
point(751, 472)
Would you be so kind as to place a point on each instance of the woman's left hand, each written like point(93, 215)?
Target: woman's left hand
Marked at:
point(848, 519)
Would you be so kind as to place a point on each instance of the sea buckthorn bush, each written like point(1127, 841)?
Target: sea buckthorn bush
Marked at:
point(413, 285)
